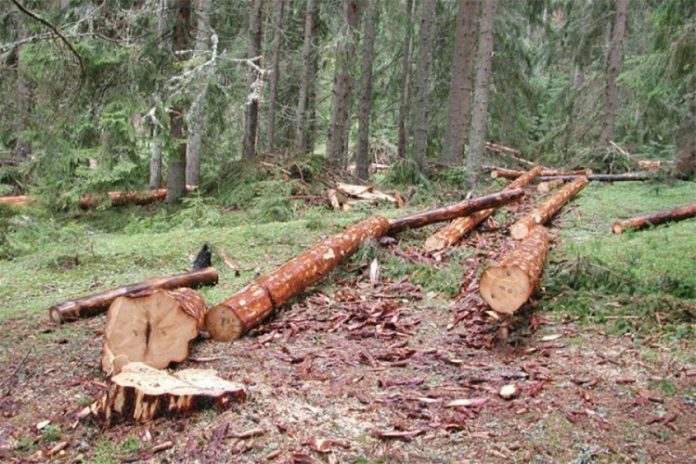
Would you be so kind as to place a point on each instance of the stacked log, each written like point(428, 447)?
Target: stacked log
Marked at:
point(641, 222)
point(151, 327)
point(508, 285)
point(92, 305)
point(545, 211)
point(246, 309)
point(454, 231)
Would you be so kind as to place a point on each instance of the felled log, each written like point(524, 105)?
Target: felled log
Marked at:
point(653, 165)
point(514, 174)
point(545, 187)
point(141, 393)
point(641, 222)
point(145, 197)
point(152, 327)
point(364, 192)
point(87, 306)
point(546, 210)
point(247, 308)
point(626, 177)
point(16, 200)
point(455, 230)
point(511, 152)
point(509, 284)
point(333, 199)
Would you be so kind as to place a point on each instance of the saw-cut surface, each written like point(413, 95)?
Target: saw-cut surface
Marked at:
point(155, 328)
point(140, 393)
point(509, 284)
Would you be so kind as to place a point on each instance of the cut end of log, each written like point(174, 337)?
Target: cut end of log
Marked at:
point(155, 328)
point(435, 243)
point(506, 288)
point(519, 230)
point(617, 228)
point(223, 324)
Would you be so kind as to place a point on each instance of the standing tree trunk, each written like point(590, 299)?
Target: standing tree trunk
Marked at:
point(479, 115)
point(614, 62)
point(402, 144)
point(156, 148)
point(275, 70)
point(196, 115)
point(343, 84)
point(251, 115)
point(460, 83)
point(362, 154)
point(425, 60)
point(306, 79)
point(176, 180)
point(22, 148)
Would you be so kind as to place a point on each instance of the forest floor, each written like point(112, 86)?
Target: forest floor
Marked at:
point(352, 372)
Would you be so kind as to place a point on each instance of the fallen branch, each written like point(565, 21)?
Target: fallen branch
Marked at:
point(247, 308)
point(140, 393)
point(546, 210)
point(92, 305)
point(508, 285)
point(641, 222)
point(455, 230)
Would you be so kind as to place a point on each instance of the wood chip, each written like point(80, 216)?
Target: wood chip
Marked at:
point(162, 446)
point(509, 391)
point(467, 402)
point(60, 446)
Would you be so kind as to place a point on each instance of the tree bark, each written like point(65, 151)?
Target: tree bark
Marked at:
point(306, 79)
point(405, 95)
point(22, 148)
point(154, 328)
point(542, 213)
point(156, 163)
point(362, 153)
point(425, 59)
point(454, 231)
point(197, 113)
point(343, 84)
point(246, 309)
point(141, 393)
point(506, 287)
point(176, 168)
point(275, 72)
point(514, 174)
point(459, 100)
point(251, 113)
point(626, 177)
point(484, 55)
point(510, 152)
point(614, 63)
point(642, 222)
point(92, 305)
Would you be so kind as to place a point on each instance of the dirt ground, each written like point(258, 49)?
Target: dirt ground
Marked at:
point(371, 374)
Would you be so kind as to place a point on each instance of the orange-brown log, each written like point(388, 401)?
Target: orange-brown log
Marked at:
point(457, 210)
point(455, 230)
point(126, 198)
point(653, 165)
point(514, 174)
point(641, 222)
point(626, 177)
point(545, 187)
point(16, 200)
point(153, 327)
point(141, 393)
point(546, 210)
point(509, 284)
point(72, 310)
point(246, 309)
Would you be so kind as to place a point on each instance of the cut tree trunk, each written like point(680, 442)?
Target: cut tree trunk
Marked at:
point(641, 222)
point(72, 310)
point(653, 165)
point(509, 284)
point(514, 174)
point(152, 327)
point(545, 187)
point(546, 210)
point(246, 309)
point(455, 230)
point(141, 393)
point(16, 200)
point(510, 152)
point(626, 177)
point(145, 197)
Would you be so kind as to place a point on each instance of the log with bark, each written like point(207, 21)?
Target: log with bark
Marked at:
point(16, 200)
point(246, 309)
point(546, 210)
point(365, 192)
point(653, 165)
point(511, 152)
point(641, 222)
point(91, 305)
point(545, 187)
point(145, 197)
point(141, 393)
point(626, 177)
point(514, 174)
point(509, 284)
point(155, 328)
point(455, 230)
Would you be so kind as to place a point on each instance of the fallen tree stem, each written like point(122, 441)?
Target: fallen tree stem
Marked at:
point(641, 222)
